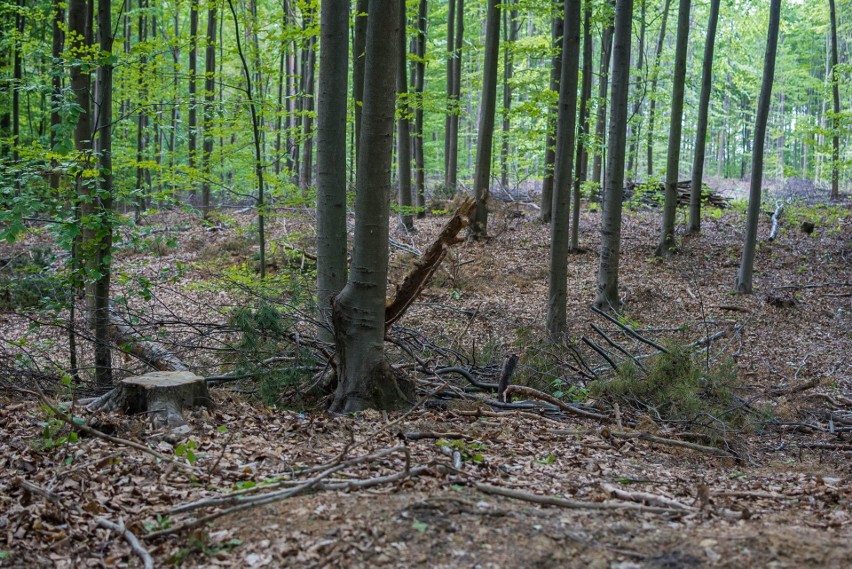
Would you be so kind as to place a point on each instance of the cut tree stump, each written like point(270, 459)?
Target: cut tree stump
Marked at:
point(163, 394)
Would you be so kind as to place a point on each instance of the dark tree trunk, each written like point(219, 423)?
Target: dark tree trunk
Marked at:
point(485, 133)
point(403, 130)
point(358, 69)
point(701, 129)
point(556, 31)
point(306, 166)
point(655, 73)
point(56, 83)
point(17, 81)
point(419, 79)
point(192, 124)
point(603, 86)
point(565, 125)
point(451, 70)
point(581, 165)
point(835, 92)
point(666, 244)
point(743, 282)
point(510, 33)
point(209, 93)
point(452, 145)
point(331, 159)
point(365, 379)
point(639, 94)
point(610, 252)
point(142, 117)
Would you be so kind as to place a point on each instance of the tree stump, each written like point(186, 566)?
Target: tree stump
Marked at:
point(163, 394)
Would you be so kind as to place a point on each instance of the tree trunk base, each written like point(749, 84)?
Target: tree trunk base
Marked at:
point(387, 389)
point(162, 394)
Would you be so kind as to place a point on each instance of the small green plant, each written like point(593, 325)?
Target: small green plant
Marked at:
point(470, 452)
point(161, 522)
point(200, 543)
point(187, 451)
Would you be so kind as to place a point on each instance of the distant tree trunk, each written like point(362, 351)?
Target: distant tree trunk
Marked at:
point(142, 116)
point(56, 83)
point(209, 92)
point(582, 157)
point(403, 130)
point(364, 379)
point(664, 248)
point(306, 168)
point(655, 73)
point(701, 129)
point(639, 94)
point(419, 79)
point(358, 69)
point(175, 93)
point(17, 80)
point(331, 159)
point(613, 188)
point(510, 33)
point(192, 123)
point(556, 31)
point(835, 121)
point(603, 86)
point(485, 133)
point(451, 54)
point(454, 102)
point(743, 282)
point(565, 126)
point(282, 82)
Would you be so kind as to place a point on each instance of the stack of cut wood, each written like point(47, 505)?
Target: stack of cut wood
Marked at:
point(654, 194)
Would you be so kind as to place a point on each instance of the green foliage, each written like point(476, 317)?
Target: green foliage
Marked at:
point(829, 217)
point(679, 388)
point(187, 451)
point(27, 282)
point(198, 544)
point(469, 451)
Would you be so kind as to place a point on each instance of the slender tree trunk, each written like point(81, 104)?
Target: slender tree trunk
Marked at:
point(451, 175)
point(655, 73)
point(666, 244)
point(485, 141)
point(279, 108)
point(556, 32)
point(510, 33)
point(582, 157)
point(743, 283)
point(835, 93)
point(57, 73)
point(701, 129)
point(175, 94)
point(451, 70)
point(403, 130)
point(358, 69)
point(192, 124)
point(565, 126)
point(364, 378)
point(209, 94)
point(17, 80)
point(331, 159)
point(306, 167)
point(420, 75)
point(603, 86)
point(142, 116)
point(614, 186)
point(639, 95)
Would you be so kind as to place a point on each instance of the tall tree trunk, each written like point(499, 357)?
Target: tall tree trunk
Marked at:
point(556, 31)
point(358, 69)
point(666, 244)
point(420, 76)
point(451, 70)
point(175, 93)
point(655, 73)
point(451, 174)
point(835, 120)
point(485, 134)
point(57, 73)
point(510, 33)
point(192, 124)
point(701, 129)
point(364, 378)
point(17, 80)
point(581, 164)
point(603, 86)
point(613, 188)
point(743, 282)
point(279, 108)
point(331, 159)
point(141, 117)
point(565, 125)
point(306, 167)
point(403, 131)
point(209, 93)
point(639, 94)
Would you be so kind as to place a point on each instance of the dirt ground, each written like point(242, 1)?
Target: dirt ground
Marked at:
point(781, 498)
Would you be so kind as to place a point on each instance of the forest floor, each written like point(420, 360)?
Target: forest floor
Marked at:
point(778, 494)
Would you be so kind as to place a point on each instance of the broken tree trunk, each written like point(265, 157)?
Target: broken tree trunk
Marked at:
point(428, 263)
point(126, 338)
point(162, 394)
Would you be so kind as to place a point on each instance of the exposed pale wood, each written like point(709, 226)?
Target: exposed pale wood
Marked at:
point(152, 353)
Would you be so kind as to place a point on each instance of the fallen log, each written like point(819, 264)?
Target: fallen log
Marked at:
point(152, 353)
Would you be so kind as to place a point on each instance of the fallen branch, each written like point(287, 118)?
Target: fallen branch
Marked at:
point(462, 372)
point(540, 395)
point(629, 330)
point(155, 355)
point(506, 377)
point(617, 346)
point(673, 443)
point(645, 498)
point(516, 414)
point(775, 221)
point(428, 263)
point(420, 435)
point(600, 351)
point(147, 560)
point(565, 503)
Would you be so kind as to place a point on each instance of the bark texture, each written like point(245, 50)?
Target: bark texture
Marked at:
point(556, 30)
point(403, 127)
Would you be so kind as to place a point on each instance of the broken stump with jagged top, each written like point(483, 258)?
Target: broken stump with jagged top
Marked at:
point(162, 394)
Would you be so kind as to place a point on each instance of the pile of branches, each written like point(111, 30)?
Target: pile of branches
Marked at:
point(652, 195)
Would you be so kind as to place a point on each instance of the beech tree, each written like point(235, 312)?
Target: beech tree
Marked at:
point(743, 282)
point(556, 28)
point(455, 40)
point(835, 95)
point(403, 130)
point(364, 379)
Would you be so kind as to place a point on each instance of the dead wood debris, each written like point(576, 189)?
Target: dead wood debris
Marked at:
point(132, 540)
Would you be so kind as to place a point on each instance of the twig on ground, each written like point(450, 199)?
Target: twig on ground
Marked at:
point(132, 540)
point(565, 503)
point(540, 395)
point(420, 435)
point(672, 442)
point(645, 498)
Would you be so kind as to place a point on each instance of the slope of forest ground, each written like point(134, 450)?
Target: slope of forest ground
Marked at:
point(781, 496)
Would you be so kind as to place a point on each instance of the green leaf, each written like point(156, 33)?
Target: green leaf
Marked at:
point(420, 526)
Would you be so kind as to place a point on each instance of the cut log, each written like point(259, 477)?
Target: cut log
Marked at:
point(162, 394)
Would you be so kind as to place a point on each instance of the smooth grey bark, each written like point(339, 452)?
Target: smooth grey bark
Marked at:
point(510, 33)
point(403, 128)
point(655, 74)
point(306, 165)
point(556, 31)
point(452, 142)
point(610, 252)
point(360, 43)
point(207, 117)
point(282, 75)
point(639, 94)
point(451, 74)
point(565, 126)
point(364, 379)
point(603, 87)
point(743, 283)
point(485, 133)
point(142, 115)
point(417, 139)
point(835, 91)
point(581, 161)
point(664, 249)
point(192, 122)
point(701, 129)
point(57, 72)
point(17, 80)
point(331, 159)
